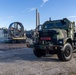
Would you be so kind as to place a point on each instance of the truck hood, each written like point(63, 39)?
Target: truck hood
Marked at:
point(53, 33)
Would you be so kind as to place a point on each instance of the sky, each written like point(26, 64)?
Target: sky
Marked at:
point(24, 11)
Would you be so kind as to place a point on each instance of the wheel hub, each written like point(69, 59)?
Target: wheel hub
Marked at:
point(67, 52)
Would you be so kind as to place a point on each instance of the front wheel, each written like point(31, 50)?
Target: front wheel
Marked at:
point(39, 53)
point(66, 54)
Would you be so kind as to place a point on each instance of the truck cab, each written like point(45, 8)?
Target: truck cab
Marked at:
point(55, 37)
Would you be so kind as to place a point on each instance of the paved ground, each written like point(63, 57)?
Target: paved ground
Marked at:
point(23, 62)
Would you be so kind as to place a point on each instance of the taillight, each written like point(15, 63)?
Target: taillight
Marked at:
point(45, 38)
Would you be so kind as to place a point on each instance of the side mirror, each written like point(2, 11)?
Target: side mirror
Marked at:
point(39, 27)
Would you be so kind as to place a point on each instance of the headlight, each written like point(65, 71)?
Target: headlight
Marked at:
point(60, 41)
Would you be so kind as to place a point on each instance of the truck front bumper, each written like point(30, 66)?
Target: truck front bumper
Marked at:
point(47, 47)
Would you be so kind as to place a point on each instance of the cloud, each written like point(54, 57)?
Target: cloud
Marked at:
point(44, 1)
point(72, 16)
point(31, 9)
point(10, 17)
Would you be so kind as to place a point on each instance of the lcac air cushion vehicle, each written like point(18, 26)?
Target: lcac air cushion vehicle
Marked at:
point(56, 37)
point(16, 33)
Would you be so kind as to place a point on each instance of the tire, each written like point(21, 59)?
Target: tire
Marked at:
point(39, 53)
point(66, 54)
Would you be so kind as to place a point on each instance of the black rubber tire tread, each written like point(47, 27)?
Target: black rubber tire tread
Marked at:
point(39, 53)
point(61, 54)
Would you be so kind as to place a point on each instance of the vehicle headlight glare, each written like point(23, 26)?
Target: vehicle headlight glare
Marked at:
point(60, 42)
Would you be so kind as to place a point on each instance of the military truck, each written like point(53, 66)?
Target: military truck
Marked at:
point(56, 37)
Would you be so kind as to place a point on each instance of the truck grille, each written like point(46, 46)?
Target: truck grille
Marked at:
point(48, 37)
point(46, 42)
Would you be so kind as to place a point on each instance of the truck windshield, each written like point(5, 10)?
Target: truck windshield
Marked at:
point(54, 25)
point(48, 26)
